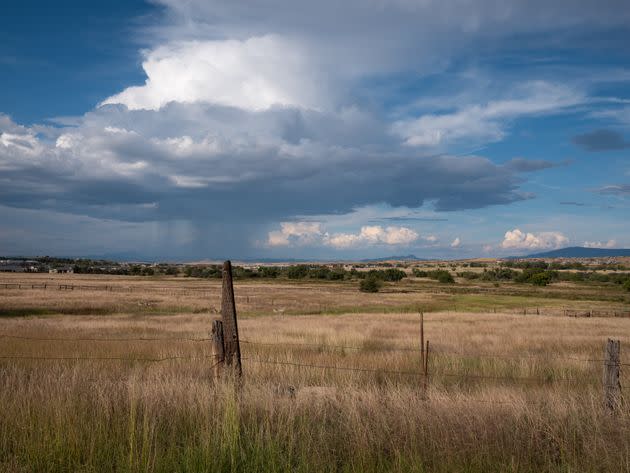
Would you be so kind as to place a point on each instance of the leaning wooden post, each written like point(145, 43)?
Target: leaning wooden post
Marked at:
point(612, 382)
point(230, 327)
point(218, 353)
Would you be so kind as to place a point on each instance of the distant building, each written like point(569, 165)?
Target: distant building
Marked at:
point(62, 270)
point(11, 268)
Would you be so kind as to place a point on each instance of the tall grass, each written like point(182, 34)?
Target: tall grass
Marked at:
point(154, 423)
point(538, 409)
point(506, 393)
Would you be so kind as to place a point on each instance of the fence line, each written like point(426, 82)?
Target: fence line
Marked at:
point(290, 363)
point(102, 358)
point(312, 345)
point(434, 351)
point(410, 373)
point(104, 339)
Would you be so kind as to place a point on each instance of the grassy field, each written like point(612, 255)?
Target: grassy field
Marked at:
point(120, 379)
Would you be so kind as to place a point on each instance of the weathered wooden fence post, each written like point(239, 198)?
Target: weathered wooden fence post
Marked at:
point(611, 381)
point(232, 348)
point(218, 352)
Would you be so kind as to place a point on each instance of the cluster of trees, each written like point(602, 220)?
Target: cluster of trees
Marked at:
point(537, 272)
point(85, 266)
point(496, 274)
point(372, 281)
point(440, 275)
point(300, 271)
point(556, 265)
point(540, 275)
point(593, 276)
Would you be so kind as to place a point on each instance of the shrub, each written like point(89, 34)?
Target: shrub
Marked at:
point(419, 273)
point(268, 272)
point(370, 285)
point(441, 275)
point(626, 285)
point(337, 275)
point(321, 272)
point(394, 275)
point(540, 279)
point(298, 272)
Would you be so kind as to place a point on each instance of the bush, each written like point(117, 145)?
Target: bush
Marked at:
point(626, 285)
point(370, 285)
point(394, 275)
point(337, 275)
point(499, 274)
point(442, 276)
point(268, 272)
point(419, 273)
point(541, 279)
point(298, 272)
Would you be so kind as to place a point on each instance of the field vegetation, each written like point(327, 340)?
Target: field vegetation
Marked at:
point(116, 375)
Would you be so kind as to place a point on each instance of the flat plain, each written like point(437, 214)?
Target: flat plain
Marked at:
point(113, 373)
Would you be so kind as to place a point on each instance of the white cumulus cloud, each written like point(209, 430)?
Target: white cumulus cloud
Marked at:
point(456, 243)
point(517, 239)
point(252, 74)
point(600, 244)
point(311, 233)
point(24, 143)
point(295, 233)
point(372, 235)
point(486, 122)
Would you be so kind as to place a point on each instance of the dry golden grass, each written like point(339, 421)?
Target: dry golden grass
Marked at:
point(102, 295)
point(507, 392)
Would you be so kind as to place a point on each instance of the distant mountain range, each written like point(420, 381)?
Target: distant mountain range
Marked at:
point(581, 252)
point(395, 258)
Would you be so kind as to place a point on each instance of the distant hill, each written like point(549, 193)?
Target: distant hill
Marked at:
point(395, 258)
point(581, 252)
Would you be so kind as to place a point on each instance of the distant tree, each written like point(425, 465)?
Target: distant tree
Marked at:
point(394, 275)
point(445, 277)
point(540, 279)
point(442, 276)
point(370, 285)
point(268, 272)
point(299, 271)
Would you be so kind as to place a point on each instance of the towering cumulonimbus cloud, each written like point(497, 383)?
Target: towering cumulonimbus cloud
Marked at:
point(268, 111)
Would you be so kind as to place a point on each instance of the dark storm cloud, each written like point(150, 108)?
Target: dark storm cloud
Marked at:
point(229, 165)
point(601, 140)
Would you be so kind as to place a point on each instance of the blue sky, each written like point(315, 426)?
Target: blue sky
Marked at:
point(283, 128)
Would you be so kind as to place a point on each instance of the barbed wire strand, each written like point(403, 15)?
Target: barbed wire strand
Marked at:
point(408, 373)
point(102, 358)
point(290, 363)
point(105, 339)
point(313, 345)
point(433, 351)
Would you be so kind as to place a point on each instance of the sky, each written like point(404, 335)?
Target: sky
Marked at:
point(243, 129)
